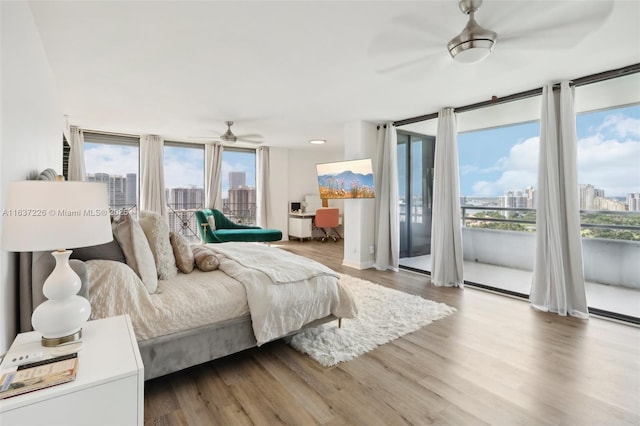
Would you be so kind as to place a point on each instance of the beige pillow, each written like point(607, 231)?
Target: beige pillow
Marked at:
point(211, 220)
point(182, 252)
point(136, 250)
point(156, 229)
point(206, 260)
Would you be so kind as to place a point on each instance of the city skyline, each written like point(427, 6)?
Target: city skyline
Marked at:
point(496, 160)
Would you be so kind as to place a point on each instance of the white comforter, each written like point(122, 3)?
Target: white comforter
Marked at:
point(284, 291)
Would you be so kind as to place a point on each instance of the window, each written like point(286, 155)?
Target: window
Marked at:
point(114, 160)
point(239, 185)
point(608, 155)
point(184, 187)
point(498, 174)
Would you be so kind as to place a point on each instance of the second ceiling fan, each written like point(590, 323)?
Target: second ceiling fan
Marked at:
point(230, 137)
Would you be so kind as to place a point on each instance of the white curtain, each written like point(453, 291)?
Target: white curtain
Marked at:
point(77, 169)
point(387, 228)
point(558, 275)
point(152, 195)
point(446, 228)
point(213, 170)
point(262, 183)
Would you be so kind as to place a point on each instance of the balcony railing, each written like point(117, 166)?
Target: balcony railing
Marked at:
point(182, 220)
point(608, 224)
point(242, 213)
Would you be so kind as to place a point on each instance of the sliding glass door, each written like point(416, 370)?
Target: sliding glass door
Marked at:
point(415, 192)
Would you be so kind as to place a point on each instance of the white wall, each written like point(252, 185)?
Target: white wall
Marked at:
point(278, 195)
point(302, 169)
point(31, 125)
point(359, 214)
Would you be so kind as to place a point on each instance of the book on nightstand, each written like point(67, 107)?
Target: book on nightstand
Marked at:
point(39, 375)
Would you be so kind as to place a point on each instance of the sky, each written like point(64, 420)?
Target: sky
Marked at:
point(183, 167)
point(496, 160)
point(492, 161)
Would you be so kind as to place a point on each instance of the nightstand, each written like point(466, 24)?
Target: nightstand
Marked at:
point(109, 385)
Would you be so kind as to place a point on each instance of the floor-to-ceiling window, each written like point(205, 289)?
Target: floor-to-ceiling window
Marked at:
point(184, 186)
point(239, 184)
point(415, 192)
point(114, 160)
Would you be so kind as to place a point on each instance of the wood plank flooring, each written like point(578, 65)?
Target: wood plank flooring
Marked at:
point(496, 361)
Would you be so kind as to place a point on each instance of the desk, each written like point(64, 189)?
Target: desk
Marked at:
point(301, 225)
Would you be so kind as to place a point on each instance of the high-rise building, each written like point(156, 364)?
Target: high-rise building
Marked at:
point(633, 202)
point(514, 200)
point(237, 179)
point(116, 187)
point(242, 204)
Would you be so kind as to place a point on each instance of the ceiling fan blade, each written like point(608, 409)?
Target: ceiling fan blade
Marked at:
point(548, 25)
point(249, 141)
point(249, 135)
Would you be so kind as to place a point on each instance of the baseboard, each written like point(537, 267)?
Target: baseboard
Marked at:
point(357, 265)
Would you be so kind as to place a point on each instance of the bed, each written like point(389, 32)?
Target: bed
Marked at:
point(258, 294)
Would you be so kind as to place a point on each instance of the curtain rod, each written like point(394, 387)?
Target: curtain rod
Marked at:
point(101, 132)
point(593, 78)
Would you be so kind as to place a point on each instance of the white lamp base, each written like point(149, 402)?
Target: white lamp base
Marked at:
point(60, 318)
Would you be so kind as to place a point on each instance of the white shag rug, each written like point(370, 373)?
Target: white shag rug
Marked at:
point(384, 314)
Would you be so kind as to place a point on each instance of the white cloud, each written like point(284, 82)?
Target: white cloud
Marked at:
point(112, 159)
point(518, 170)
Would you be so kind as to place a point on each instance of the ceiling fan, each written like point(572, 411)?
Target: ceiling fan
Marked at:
point(228, 136)
point(231, 138)
point(511, 27)
point(474, 43)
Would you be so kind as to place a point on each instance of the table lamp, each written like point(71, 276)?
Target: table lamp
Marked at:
point(46, 215)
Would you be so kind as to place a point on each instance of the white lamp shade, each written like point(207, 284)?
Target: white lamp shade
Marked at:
point(45, 215)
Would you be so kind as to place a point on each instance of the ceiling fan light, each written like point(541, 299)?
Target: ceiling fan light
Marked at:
point(471, 51)
point(473, 44)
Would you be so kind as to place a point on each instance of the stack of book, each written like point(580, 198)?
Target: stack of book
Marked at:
point(39, 375)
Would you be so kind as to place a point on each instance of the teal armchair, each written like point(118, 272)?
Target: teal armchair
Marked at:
point(227, 230)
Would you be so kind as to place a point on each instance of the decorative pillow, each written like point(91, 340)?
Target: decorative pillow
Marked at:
point(182, 251)
point(156, 229)
point(206, 260)
point(136, 250)
point(106, 251)
point(211, 220)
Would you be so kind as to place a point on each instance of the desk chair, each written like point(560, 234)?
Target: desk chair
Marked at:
point(328, 220)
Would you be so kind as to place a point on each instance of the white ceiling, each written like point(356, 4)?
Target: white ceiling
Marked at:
point(297, 70)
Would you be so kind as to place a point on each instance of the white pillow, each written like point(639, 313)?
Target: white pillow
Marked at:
point(212, 222)
point(156, 230)
point(136, 250)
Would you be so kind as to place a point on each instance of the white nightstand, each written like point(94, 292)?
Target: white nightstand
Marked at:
point(108, 389)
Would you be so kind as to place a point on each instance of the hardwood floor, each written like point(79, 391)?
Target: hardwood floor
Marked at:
point(495, 361)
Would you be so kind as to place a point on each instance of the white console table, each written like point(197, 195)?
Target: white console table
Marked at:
point(109, 385)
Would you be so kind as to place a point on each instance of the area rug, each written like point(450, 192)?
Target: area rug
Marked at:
point(384, 314)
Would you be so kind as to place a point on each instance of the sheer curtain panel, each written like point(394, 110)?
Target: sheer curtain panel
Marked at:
point(213, 171)
point(152, 195)
point(262, 183)
point(446, 228)
point(386, 202)
point(558, 275)
point(77, 169)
